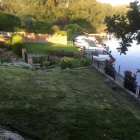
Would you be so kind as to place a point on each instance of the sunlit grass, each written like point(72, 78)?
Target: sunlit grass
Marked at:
point(43, 48)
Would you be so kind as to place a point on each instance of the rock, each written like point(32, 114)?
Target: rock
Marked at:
point(7, 135)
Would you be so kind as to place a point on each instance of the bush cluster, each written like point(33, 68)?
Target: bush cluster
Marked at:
point(86, 61)
point(72, 29)
point(109, 68)
point(62, 33)
point(130, 81)
point(46, 63)
point(66, 62)
point(1, 44)
point(49, 63)
point(4, 41)
point(17, 43)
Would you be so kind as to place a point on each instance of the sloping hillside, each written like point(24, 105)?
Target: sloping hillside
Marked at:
point(66, 105)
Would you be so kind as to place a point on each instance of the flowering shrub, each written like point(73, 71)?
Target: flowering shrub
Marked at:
point(110, 63)
point(109, 68)
point(66, 62)
point(130, 81)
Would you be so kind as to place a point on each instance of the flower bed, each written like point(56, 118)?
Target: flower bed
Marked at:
point(130, 81)
point(109, 68)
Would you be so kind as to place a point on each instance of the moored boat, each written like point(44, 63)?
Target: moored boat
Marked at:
point(91, 47)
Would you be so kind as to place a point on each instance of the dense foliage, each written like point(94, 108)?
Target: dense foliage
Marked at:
point(40, 15)
point(130, 81)
point(109, 68)
point(126, 27)
point(66, 62)
point(9, 22)
point(73, 62)
point(17, 44)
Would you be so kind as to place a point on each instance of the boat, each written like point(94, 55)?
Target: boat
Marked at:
point(91, 47)
point(83, 42)
point(101, 57)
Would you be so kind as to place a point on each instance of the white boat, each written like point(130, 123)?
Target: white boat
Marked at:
point(91, 48)
point(80, 44)
point(101, 57)
point(87, 42)
point(98, 54)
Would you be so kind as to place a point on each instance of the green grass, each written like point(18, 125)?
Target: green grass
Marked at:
point(66, 105)
point(43, 48)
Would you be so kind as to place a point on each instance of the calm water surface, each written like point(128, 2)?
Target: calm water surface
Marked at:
point(130, 61)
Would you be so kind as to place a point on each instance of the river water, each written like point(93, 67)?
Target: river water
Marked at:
point(130, 61)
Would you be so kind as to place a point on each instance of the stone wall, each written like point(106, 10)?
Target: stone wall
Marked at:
point(32, 37)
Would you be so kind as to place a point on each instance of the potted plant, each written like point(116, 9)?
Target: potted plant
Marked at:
point(130, 81)
point(109, 68)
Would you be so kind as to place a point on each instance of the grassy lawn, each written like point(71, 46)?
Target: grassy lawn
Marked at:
point(42, 48)
point(67, 105)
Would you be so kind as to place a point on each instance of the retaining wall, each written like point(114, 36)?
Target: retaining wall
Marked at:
point(32, 37)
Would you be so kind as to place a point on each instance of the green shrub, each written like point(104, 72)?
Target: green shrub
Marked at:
point(55, 29)
point(17, 43)
point(53, 62)
point(4, 60)
point(4, 41)
point(8, 22)
point(1, 44)
point(66, 62)
point(86, 61)
point(72, 29)
point(41, 27)
point(78, 54)
point(76, 63)
point(46, 63)
point(63, 33)
point(7, 42)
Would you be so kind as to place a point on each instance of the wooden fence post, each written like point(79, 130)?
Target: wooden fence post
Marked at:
point(23, 54)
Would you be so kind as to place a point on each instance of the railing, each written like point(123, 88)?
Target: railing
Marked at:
point(116, 77)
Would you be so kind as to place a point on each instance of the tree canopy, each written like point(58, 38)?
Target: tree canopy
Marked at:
point(35, 14)
point(126, 26)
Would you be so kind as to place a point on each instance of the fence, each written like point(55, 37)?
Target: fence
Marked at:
point(54, 55)
point(31, 58)
point(116, 77)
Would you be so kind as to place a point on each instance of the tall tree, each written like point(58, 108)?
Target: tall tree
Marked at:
point(88, 14)
point(126, 27)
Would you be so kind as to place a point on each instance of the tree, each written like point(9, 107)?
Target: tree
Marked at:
point(88, 14)
point(9, 22)
point(125, 27)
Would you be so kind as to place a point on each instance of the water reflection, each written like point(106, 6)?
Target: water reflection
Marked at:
point(130, 61)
